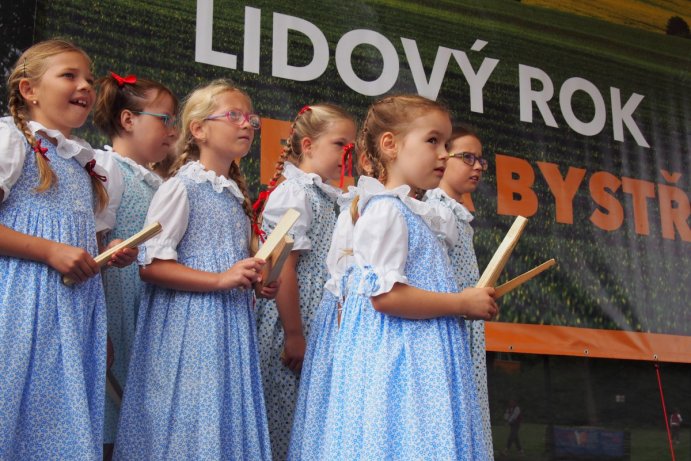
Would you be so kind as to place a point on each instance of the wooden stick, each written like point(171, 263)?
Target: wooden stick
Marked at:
point(512, 284)
point(276, 260)
point(501, 256)
point(276, 236)
point(137, 239)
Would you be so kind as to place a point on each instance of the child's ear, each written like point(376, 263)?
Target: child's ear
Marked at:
point(306, 146)
point(127, 120)
point(198, 130)
point(388, 145)
point(27, 90)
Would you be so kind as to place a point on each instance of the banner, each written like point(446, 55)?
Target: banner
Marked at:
point(586, 122)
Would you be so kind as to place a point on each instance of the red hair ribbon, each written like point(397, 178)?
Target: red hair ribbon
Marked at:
point(258, 206)
point(40, 150)
point(90, 165)
point(303, 110)
point(130, 79)
point(347, 158)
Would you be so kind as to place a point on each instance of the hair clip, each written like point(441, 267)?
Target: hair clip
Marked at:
point(303, 110)
point(90, 165)
point(24, 67)
point(130, 79)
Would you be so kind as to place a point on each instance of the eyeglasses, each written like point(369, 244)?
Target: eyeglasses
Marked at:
point(237, 117)
point(469, 159)
point(168, 120)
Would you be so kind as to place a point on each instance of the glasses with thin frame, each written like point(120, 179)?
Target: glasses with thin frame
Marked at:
point(169, 121)
point(469, 159)
point(237, 117)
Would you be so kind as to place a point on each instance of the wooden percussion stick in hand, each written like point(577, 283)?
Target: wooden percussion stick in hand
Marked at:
point(137, 239)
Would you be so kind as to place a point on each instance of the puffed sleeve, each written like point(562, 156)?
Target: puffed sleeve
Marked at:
point(290, 194)
point(380, 244)
point(12, 155)
point(105, 219)
point(170, 207)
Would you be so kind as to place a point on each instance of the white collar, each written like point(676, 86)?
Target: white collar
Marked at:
point(66, 147)
point(346, 198)
point(199, 174)
point(294, 173)
point(369, 188)
point(140, 172)
point(458, 208)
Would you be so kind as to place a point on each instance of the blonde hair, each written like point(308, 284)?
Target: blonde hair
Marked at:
point(31, 66)
point(392, 114)
point(197, 106)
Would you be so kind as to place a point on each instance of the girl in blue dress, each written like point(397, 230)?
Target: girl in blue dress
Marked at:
point(194, 387)
point(402, 385)
point(313, 155)
point(462, 175)
point(138, 115)
point(52, 336)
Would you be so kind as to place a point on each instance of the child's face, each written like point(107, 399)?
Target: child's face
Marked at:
point(64, 95)
point(153, 139)
point(463, 178)
point(324, 154)
point(224, 138)
point(421, 154)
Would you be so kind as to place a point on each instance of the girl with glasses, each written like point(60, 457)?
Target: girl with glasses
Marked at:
point(463, 173)
point(137, 115)
point(316, 152)
point(194, 388)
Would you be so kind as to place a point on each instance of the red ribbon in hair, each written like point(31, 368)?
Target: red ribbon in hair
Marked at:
point(90, 165)
point(257, 208)
point(40, 150)
point(347, 158)
point(304, 109)
point(130, 79)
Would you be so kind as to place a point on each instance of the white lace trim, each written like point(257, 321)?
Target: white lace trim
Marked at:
point(140, 172)
point(199, 174)
point(66, 147)
point(458, 209)
point(290, 171)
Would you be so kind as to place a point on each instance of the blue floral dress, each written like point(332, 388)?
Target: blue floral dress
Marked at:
point(315, 376)
point(123, 287)
point(52, 337)
point(194, 387)
point(464, 262)
point(316, 202)
point(402, 389)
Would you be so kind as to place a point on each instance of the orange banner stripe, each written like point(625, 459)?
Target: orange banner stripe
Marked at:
point(586, 342)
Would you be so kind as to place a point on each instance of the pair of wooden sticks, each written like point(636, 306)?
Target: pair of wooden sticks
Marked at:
point(501, 256)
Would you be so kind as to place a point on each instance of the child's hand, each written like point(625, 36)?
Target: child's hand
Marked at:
point(479, 304)
point(124, 257)
point(269, 291)
point(242, 275)
point(294, 351)
point(71, 261)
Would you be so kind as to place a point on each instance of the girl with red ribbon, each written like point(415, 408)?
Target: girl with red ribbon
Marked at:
point(315, 152)
point(52, 337)
point(138, 116)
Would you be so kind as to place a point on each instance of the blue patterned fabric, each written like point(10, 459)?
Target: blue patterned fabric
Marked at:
point(402, 389)
point(52, 337)
point(194, 388)
point(464, 263)
point(280, 383)
point(123, 287)
point(315, 383)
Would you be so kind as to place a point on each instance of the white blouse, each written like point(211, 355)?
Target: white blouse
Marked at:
point(13, 154)
point(170, 207)
point(291, 194)
point(458, 209)
point(116, 184)
point(340, 255)
point(380, 237)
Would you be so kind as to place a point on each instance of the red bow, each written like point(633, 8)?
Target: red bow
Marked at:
point(347, 158)
point(40, 150)
point(90, 169)
point(258, 231)
point(304, 109)
point(130, 79)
